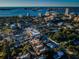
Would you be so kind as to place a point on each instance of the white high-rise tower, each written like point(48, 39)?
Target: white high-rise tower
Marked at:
point(39, 14)
point(66, 11)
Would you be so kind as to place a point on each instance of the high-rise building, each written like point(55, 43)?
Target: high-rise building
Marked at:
point(27, 14)
point(66, 11)
point(39, 14)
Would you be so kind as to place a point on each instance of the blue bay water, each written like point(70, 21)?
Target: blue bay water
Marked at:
point(22, 11)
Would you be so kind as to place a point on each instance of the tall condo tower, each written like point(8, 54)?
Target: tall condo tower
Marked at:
point(66, 11)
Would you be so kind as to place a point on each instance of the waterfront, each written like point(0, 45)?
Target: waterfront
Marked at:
point(39, 33)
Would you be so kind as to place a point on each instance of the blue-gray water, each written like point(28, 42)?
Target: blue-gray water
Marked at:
point(4, 12)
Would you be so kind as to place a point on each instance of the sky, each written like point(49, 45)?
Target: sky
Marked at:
point(35, 3)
